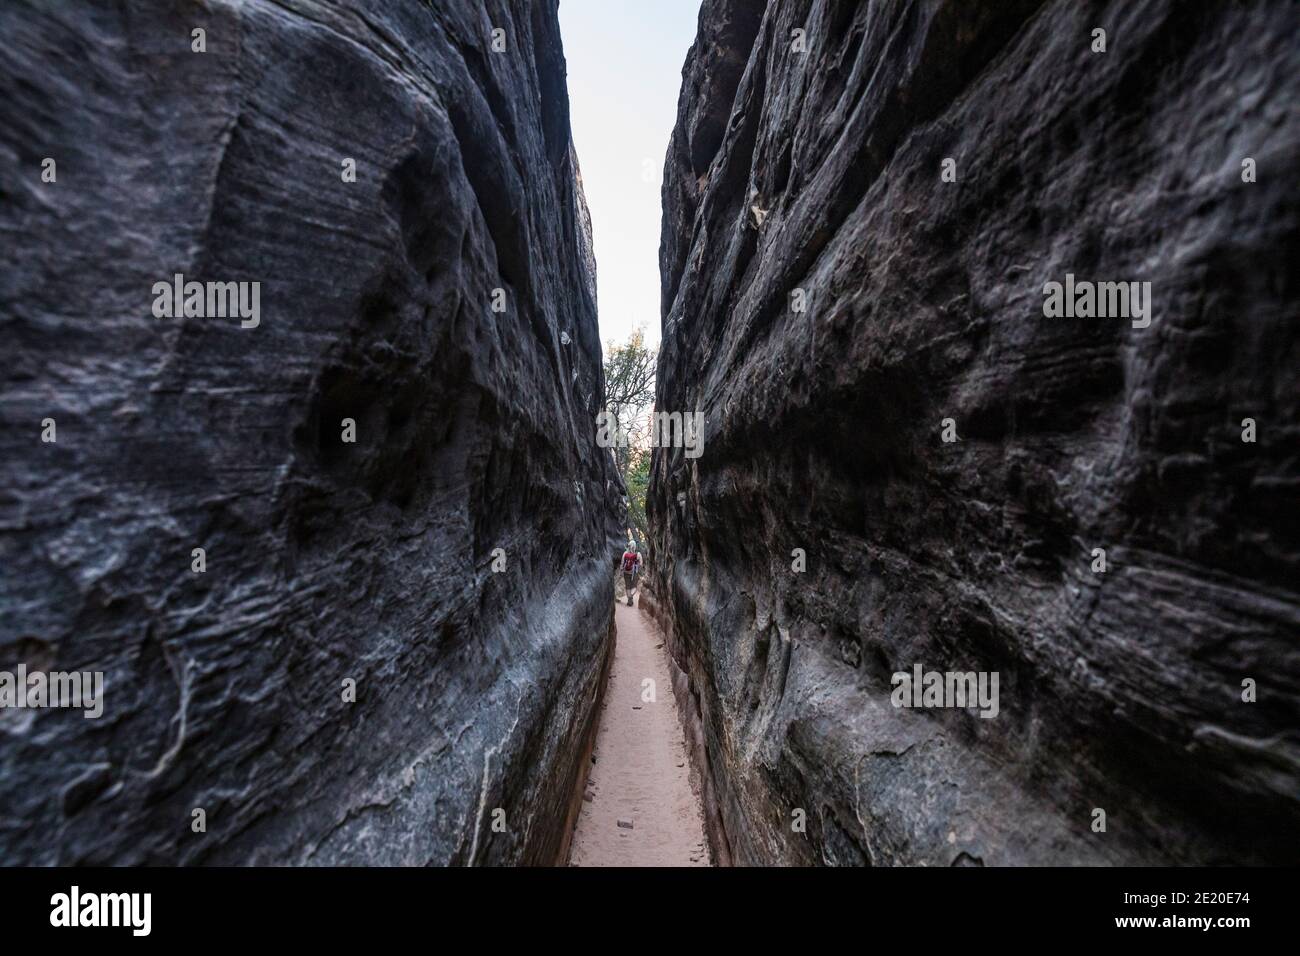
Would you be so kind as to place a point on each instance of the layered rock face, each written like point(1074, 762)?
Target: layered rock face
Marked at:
point(449, 567)
point(837, 308)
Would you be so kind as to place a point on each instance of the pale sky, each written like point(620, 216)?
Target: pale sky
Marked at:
point(625, 71)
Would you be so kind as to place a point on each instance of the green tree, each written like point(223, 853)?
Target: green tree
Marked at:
point(629, 403)
point(637, 480)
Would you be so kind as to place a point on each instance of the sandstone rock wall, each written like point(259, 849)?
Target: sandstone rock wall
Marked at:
point(325, 560)
point(1120, 690)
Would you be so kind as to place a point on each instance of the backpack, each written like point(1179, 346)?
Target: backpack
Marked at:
point(629, 562)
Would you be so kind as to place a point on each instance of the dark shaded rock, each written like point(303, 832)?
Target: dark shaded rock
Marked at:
point(1120, 690)
point(325, 560)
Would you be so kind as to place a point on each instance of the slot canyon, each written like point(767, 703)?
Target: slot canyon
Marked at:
point(349, 570)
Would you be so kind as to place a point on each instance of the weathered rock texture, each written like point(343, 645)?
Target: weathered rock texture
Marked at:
point(1119, 690)
point(325, 560)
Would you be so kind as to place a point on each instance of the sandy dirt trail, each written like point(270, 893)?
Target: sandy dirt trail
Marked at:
point(641, 775)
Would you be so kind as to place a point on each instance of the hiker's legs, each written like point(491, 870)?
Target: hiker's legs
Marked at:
point(627, 586)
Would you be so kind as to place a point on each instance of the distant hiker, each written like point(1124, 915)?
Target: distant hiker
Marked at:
point(631, 568)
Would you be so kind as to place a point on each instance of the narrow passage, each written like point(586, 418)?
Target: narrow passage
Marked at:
point(639, 808)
